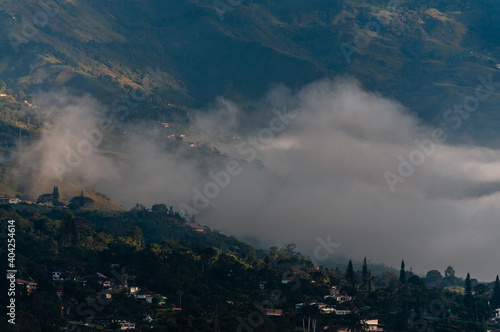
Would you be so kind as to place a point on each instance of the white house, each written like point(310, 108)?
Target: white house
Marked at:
point(343, 298)
point(373, 325)
point(127, 326)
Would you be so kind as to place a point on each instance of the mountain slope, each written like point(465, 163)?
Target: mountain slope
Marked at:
point(426, 54)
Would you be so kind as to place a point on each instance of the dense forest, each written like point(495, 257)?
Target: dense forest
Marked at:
point(158, 270)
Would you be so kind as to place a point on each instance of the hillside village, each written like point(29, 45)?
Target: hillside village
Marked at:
point(207, 281)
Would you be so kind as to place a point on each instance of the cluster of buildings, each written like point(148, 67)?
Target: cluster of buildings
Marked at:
point(335, 296)
point(109, 288)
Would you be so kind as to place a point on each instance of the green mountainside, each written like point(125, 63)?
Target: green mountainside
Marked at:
point(426, 54)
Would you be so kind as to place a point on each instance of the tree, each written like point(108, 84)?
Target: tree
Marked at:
point(159, 208)
point(67, 230)
point(55, 195)
point(364, 273)
point(290, 248)
point(416, 281)
point(137, 236)
point(434, 278)
point(468, 291)
point(495, 298)
point(312, 313)
point(21, 94)
point(267, 261)
point(402, 273)
point(349, 276)
point(449, 272)
point(449, 277)
point(44, 198)
point(80, 201)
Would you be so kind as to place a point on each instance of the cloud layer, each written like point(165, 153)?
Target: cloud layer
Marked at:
point(324, 173)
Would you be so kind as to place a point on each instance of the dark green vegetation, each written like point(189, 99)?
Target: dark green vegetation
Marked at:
point(213, 277)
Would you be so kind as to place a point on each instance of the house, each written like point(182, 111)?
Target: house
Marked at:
point(287, 280)
point(335, 290)
point(147, 319)
point(343, 298)
point(343, 312)
point(272, 312)
point(29, 105)
point(144, 294)
point(325, 308)
point(134, 290)
point(497, 313)
point(193, 227)
point(197, 228)
point(10, 200)
point(28, 286)
point(372, 325)
point(127, 326)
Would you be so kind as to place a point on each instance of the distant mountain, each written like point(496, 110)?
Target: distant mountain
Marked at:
point(426, 54)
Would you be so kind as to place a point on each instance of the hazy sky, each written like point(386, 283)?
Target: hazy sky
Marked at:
point(323, 175)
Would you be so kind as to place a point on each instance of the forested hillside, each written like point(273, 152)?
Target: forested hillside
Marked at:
point(426, 54)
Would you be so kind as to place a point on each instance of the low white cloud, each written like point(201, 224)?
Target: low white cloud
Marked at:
point(323, 175)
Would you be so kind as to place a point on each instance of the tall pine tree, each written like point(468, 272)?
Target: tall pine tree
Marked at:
point(402, 273)
point(55, 195)
point(349, 276)
point(468, 291)
point(495, 298)
point(364, 274)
